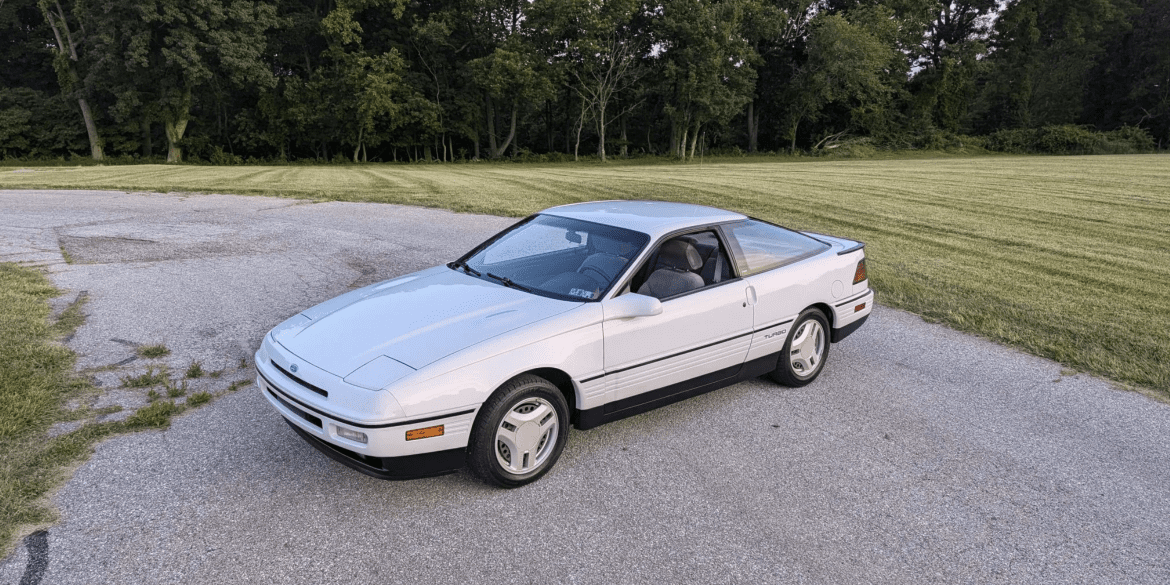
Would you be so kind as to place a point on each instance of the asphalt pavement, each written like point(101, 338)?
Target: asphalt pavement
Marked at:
point(920, 454)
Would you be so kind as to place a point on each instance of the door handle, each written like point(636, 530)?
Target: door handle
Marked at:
point(750, 293)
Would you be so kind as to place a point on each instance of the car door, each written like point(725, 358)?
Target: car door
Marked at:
point(779, 283)
point(702, 336)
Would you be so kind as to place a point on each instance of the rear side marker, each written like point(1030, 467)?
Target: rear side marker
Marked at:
point(859, 307)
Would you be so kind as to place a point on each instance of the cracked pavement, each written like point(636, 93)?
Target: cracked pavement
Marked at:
point(920, 455)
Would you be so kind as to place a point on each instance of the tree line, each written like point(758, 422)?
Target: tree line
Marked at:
point(446, 80)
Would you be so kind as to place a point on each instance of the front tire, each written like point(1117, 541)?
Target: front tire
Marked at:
point(806, 351)
point(520, 432)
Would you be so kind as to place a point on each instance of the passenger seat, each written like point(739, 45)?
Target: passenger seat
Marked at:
point(677, 261)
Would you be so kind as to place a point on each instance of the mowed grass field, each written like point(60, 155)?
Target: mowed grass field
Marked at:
point(1065, 257)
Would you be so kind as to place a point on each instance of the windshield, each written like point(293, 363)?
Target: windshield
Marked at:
point(555, 256)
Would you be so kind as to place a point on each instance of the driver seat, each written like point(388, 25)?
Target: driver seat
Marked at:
point(677, 261)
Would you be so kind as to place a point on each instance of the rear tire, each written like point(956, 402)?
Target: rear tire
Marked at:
point(519, 433)
point(806, 350)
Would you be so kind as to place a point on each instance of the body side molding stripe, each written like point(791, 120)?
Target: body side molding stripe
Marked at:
point(274, 388)
point(854, 298)
point(732, 338)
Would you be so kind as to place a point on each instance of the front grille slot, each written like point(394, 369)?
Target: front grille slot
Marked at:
point(312, 419)
point(298, 380)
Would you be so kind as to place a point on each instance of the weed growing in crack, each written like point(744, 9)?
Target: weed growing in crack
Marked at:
point(153, 351)
point(195, 370)
point(150, 378)
point(198, 398)
point(175, 391)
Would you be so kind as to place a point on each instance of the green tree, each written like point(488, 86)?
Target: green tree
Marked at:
point(66, 64)
point(706, 66)
point(159, 52)
point(515, 74)
point(1042, 53)
point(846, 64)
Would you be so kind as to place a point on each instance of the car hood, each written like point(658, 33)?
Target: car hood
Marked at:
point(415, 320)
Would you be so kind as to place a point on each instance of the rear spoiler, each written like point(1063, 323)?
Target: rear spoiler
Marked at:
point(848, 246)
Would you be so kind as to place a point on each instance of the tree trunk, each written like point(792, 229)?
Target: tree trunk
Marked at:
point(511, 132)
point(175, 128)
point(358, 148)
point(95, 142)
point(147, 146)
point(580, 127)
point(673, 137)
point(681, 147)
point(753, 126)
point(694, 140)
point(625, 150)
point(427, 152)
point(364, 153)
point(601, 133)
point(491, 121)
point(477, 144)
point(548, 122)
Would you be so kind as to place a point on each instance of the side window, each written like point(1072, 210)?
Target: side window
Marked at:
point(683, 264)
point(761, 246)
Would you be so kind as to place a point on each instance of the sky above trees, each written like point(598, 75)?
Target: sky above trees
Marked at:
point(456, 79)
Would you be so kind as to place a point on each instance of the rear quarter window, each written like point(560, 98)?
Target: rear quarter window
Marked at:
point(760, 246)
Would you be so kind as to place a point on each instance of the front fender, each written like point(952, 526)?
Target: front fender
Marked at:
point(572, 344)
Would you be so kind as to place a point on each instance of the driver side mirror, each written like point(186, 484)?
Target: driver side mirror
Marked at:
point(631, 305)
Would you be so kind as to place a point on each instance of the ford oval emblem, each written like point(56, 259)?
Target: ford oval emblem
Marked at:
point(293, 367)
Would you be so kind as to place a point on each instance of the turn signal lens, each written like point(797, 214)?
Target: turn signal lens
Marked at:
point(859, 307)
point(859, 275)
point(424, 433)
point(355, 436)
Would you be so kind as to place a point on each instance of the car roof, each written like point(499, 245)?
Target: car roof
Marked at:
point(655, 218)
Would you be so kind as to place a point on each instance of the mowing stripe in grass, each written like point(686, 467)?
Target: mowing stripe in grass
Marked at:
point(1065, 257)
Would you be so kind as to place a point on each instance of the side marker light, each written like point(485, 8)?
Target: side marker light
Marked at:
point(424, 433)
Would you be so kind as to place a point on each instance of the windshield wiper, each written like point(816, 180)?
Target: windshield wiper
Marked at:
point(457, 264)
point(508, 282)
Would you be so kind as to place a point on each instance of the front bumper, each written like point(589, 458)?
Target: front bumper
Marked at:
point(405, 467)
point(323, 412)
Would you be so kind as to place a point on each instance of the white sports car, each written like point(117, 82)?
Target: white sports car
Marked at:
point(581, 314)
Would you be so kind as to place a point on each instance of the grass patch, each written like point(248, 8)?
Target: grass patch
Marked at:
point(194, 371)
point(36, 382)
point(1064, 257)
point(174, 391)
point(153, 351)
point(72, 317)
point(198, 398)
point(150, 377)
